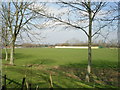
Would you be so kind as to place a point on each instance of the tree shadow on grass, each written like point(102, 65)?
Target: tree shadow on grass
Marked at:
point(21, 55)
point(104, 71)
point(104, 64)
point(17, 56)
point(34, 60)
point(43, 61)
point(74, 65)
point(3, 55)
point(95, 64)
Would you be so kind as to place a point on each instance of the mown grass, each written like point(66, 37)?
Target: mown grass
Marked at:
point(67, 66)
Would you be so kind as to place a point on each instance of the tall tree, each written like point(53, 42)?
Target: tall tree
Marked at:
point(89, 17)
point(5, 38)
point(4, 35)
point(16, 16)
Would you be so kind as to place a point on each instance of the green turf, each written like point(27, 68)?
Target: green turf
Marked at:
point(51, 57)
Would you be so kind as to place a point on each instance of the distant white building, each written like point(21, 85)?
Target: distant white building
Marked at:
point(18, 47)
point(83, 47)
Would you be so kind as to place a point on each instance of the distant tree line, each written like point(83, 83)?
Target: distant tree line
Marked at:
point(99, 44)
point(30, 45)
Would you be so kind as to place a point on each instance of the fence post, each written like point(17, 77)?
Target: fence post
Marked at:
point(4, 85)
point(37, 88)
point(51, 82)
point(5, 81)
point(30, 87)
point(23, 82)
point(27, 86)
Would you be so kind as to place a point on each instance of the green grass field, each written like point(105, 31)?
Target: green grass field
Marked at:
point(67, 67)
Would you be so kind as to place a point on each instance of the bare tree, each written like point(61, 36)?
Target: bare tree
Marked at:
point(5, 38)
point(16, 16)
point(4, 35)
point(89, 17)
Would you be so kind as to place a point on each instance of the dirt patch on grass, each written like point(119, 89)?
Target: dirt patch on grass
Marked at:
point(8, 65)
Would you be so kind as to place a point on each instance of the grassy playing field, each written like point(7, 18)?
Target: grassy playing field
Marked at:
point(67, 67)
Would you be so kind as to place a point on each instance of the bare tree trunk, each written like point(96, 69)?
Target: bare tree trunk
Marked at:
point(89, 60)
point(6, 54)
point(89, 45)
point(12, 53)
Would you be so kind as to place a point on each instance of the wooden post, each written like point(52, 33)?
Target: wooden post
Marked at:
point(51, 82)
point(27, 86)
point(37, 88)
point(5, 81)
point(30, 87)
point(23, 82)
point(4, 86)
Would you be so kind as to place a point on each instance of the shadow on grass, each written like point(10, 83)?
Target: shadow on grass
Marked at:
point(3, 55)
point(21, 55)
point(95, 64)
point(17, 56)
point(105, 64)
point(104, 72)
point(74, 65)
point(43, 61)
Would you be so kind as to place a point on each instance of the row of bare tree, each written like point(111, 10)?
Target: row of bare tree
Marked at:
point(89, 17)
point(15, 17)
